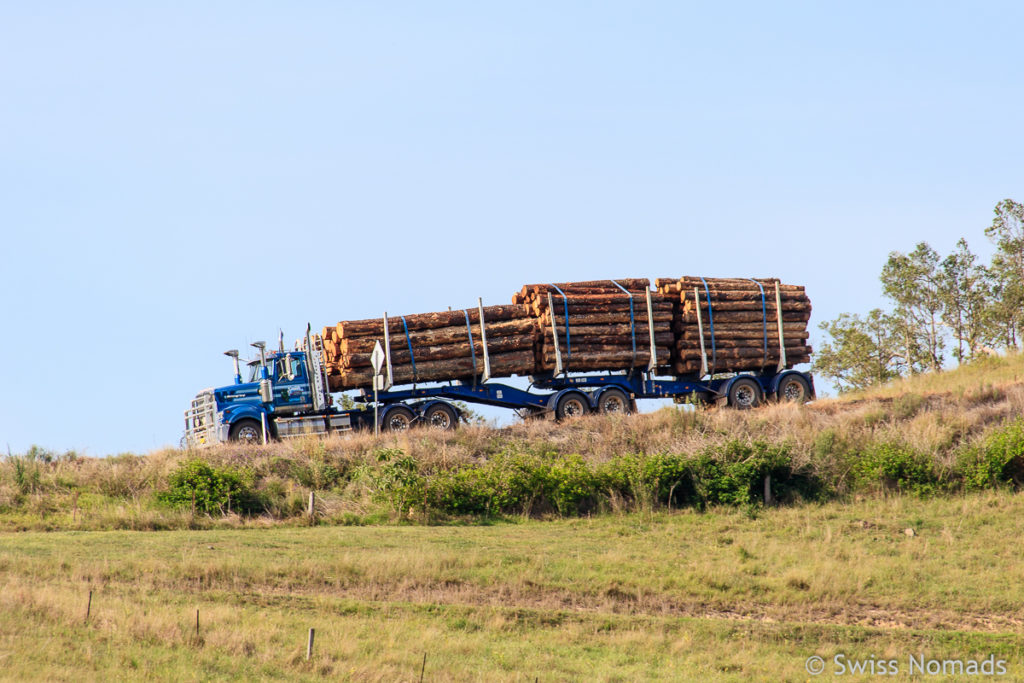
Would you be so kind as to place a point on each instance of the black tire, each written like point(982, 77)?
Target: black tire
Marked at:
point(572, 404)
point(614, 401)
point(745, 394)
point(441, 417)
point(249, 432)
point(794, 389)
point(398, 419)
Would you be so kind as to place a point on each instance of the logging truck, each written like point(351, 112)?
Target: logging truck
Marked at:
point(287, 393)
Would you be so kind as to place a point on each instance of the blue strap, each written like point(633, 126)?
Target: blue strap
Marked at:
point(408, 341)
point(472, 348)
point(711, 320)
point(632, 321)
point(568, 341)
point(764, 318)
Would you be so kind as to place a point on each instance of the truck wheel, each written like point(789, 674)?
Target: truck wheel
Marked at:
point(795, 389)
point(247, 431)
point(613, 401)
point(745, 393)
point(441, 416)
point(398, 419)
point(572, 405)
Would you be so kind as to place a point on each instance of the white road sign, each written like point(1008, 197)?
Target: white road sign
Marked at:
point(377, 358)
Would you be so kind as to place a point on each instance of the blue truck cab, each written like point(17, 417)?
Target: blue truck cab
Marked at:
point(285, 394)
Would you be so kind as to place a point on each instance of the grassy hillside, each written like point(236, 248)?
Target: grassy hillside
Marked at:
point(951, 432)
point(609, 549)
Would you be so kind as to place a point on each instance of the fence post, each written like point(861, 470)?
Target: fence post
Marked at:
point(309, 644)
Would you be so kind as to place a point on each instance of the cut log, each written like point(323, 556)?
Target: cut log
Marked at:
point(444, 335)
point(581, 306)
point(744, 317)
point(726, 354)
point(621, 318)
point(752, 326)
point(549, 350)
point(624, 331)
point(429, 321)
point(400, 354)
point(502, 365)
point(691, 367)
point(732, 343)
point(609, 360)
point(734, 295)
point(631, 283)
point(620, 341)
point(753, 306)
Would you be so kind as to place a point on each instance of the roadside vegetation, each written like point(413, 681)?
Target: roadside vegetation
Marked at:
point(932, 434)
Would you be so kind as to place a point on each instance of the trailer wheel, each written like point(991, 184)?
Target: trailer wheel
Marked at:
point(441, 416)
point(613, 401)
point(572, 405)
point(744, 393)
point(246, 431)
point(795, 389)
point(398, 419)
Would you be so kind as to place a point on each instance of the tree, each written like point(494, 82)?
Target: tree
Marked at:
point(965, 292)
point(861, 351)
point(912, 282)
point(1007, 233)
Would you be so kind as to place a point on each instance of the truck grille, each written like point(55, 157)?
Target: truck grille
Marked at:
point(201, 427)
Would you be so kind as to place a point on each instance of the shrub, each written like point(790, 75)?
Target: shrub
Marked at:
point(571, 486)
point(998, 461)
point(896, 466)
point(649, 480)
point(397, 481)
point(210, 490)
point(734, 474)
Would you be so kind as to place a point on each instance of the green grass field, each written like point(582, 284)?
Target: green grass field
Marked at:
point(665, 596)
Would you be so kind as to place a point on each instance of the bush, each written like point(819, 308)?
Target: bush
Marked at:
point(997, 462)
point(650, 480)
point(734, 474)
point(210, 490)
point(542, 482)
point(896, 466)
point(397, 481)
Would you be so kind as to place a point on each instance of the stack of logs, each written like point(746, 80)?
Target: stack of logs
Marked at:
point(432, 347)
point(599, 325)
point(739, 319)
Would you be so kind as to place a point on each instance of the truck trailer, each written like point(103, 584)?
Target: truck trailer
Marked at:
point(286, 394)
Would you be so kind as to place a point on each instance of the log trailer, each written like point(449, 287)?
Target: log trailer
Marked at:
point(286, 394)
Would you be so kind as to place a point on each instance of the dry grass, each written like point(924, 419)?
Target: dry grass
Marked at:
point(940, 415)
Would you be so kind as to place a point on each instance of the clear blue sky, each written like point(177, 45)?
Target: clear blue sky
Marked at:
point(177, 179)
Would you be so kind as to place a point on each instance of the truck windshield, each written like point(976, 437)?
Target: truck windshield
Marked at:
point(254, 371)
